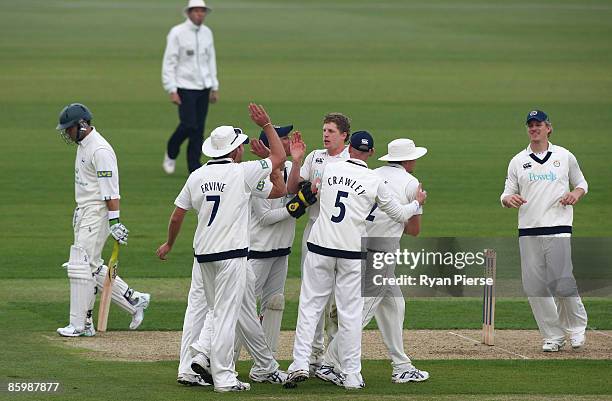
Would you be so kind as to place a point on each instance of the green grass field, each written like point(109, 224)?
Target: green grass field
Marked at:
point(456, 76)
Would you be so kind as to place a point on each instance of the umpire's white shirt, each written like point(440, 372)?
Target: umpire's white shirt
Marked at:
point(189, 60)
point(272, 227)
point(313, 168)
point(542, 183)
point(219, 192)
point(96, 175)
point(403, 186)
point(349, 190)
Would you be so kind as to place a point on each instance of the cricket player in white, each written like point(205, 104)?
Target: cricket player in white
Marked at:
point(272, 232)
point(96, 216)
point(219, 192)
point(388, 306)
point(348, 193)
point(336, 131)
point(538, 184)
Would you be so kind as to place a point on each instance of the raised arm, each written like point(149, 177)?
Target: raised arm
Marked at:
point(277, 151)
point(298, 150)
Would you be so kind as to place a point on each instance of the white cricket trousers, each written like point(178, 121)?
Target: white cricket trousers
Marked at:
point(271, 274)
point(321, 276)
point(548, 281)
point(318, 344)
point(388, 309)
point(224, 283)
point(195, 318)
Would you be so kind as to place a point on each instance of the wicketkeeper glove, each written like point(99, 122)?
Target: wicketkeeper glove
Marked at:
point(118, 231)
point(304, 198)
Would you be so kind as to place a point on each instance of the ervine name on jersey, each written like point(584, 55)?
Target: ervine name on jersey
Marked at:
point(347, 182)
point(212, 186)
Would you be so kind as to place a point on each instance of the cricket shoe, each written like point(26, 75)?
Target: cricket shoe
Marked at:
point(353, 381)
point(141, 305)
point(191, 380)
point(71, 331)
point(239, 386)
point(411, 374)
point(276, 377)
point(329, 374)
point(169, 165)
point(201, 365)
point(297, 376)
point(577, 340)
point(552, 346)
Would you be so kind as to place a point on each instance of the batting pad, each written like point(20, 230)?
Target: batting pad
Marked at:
point(81, 286)
point(272, 318)
point(122, 294)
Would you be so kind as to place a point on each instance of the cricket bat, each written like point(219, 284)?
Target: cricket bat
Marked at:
point(107, 289)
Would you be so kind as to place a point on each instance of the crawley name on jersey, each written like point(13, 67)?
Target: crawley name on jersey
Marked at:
point(313, 168)
point(542, 182)
point(349, 190)
point(219, 192)
point(96, 176)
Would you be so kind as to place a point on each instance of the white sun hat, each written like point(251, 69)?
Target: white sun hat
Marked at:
point(223, 140)
point(402, 149)
point(196, 3)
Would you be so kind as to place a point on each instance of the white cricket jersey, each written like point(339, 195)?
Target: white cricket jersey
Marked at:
point(96, 175)
point(542, 183)
point(348, 193)
point(189, 59)
point(403, 186)
point(313, 168)
point(219, 192)
point(272, 227)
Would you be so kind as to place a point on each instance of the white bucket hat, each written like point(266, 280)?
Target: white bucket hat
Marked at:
point(223, 140)
point(403, 149)
point(196, 3)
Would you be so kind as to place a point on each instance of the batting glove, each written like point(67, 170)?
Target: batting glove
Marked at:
point(304, 198)
point(119, 231)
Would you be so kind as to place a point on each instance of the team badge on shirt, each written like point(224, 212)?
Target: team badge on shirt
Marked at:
point(556, 163)
point(264, 164)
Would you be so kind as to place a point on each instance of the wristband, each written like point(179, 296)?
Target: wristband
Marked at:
point(113, 214)
point(265, 125)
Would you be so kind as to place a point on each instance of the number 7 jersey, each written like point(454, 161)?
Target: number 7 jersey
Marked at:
point(349, 191)
point(219, 192)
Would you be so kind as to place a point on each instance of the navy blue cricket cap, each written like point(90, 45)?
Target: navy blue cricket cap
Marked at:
point(538, 115)
point(281, 131)
point(362, 140)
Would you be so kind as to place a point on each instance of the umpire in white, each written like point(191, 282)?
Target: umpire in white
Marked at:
point(220, 191)
point(539, 183)
point(189, 75)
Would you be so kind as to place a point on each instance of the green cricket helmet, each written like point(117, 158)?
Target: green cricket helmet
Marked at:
point(72, 114)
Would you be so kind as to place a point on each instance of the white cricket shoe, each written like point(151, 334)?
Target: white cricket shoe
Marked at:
point(141, 305)
point(201, 365)
point(71, 331)
point(169, 164)
point(552, 346)
point(276, 377)
point(353, 381)
point(411, 374)
point(577, 340)
point(191, 380)
point(329, 374)
point(297, 376)
point(239, 386)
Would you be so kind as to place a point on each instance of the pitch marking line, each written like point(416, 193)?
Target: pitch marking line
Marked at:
point(496, 346)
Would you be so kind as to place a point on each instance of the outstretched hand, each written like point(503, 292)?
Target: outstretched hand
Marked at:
point(258, 148)
point(258, 115)
point(297, 147)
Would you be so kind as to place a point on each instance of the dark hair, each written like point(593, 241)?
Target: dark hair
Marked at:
point(342, 122)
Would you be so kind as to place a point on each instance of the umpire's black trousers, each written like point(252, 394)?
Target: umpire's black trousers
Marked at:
point(192, 115)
